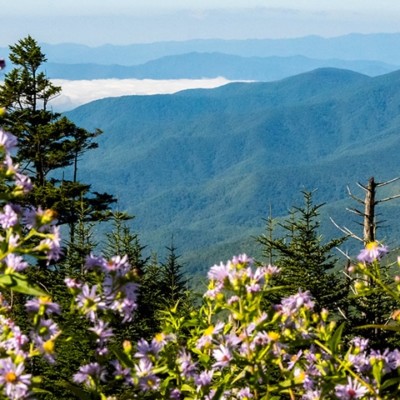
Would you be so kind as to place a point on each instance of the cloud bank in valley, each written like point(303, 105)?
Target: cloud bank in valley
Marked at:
point(76, 93)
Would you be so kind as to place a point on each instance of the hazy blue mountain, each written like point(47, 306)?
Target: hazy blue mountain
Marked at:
point(207, 165)
point(378, 47)
point(211, 65)
point(381, 47)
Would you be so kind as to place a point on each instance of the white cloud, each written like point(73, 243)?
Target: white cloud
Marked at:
point(76, 93)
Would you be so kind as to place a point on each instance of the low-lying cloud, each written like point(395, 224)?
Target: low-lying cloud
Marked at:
point(76, 93)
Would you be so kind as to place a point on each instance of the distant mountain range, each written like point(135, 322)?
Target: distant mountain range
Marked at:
point(212, 65)
point(207, 165)
point(378, 47)
point(263, 60)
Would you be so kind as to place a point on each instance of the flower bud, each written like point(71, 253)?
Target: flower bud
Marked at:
point(127, 346)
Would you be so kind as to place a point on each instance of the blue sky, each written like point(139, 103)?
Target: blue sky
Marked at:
point(96, 22)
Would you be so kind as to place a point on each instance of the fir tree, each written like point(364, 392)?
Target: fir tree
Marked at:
point(47, 142)
point(174, 285)
point(121, 241)
point(306, 262)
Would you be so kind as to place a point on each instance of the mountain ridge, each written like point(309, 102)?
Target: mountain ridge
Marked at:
point(203, 165)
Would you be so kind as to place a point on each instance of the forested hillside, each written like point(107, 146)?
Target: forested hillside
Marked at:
point(207, 165)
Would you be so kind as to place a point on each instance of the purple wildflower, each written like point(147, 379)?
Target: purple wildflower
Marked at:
point(223, 356)
point(242, 259)
point(245, 393)
point(43, 305)
point(122, 373)
point(360, 343)
point(7, 140)
point(72, 283)
point(146, 349)
point(89, 301)
point(353, 390)
point(16, 384)
point(149, 382)
point(14, 263)
point(117, 264)
point(23, 182)
point(187, 366)
point(144, 368)
point(90, 374)
point(93, 261)
point(373, 251)
point(292, 304)
point(8, 218)
point(219, 272)
point(175, 394)
point(203, 379)
point(16, 342)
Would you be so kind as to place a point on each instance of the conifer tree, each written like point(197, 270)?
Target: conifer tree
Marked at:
point(47, 142)
point(306, 262)
point(121, 241)
point(174, 285)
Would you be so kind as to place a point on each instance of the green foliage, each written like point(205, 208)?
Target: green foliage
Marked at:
point(174, 285)
point(47, 141)
point(204, 164)
point(306, 262)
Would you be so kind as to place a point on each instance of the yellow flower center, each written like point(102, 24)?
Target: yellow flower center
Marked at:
point(48, 346)
point(209, 331)
point(160, 337)
point(10, 377)
point(45, 299)
point(371, 246)
point(273, 336)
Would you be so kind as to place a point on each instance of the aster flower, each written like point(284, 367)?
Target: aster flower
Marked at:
point(117, 264)
point(23, 182)
point(223, 356)
point(219, 272)
point(48, 328)
point(353, 390)
point(14, 381)
point(16, 342)
point(203, 379)
point(8, 218)
point(292, 304)
point(14, 262)
point(149, 382)
point(146, 349)
point(45, 347)
point(245, 394)
point(43, 305)
point(90, 374)
point(90, 302)
point(175, 394)
point(144, 368)
point(125, 307)
point(103, 333)
point(242, 259)
point(186, 364)
point(72, 283)
point(122, 373)
point(373, 251)
point(93, 261)
point(7, 140)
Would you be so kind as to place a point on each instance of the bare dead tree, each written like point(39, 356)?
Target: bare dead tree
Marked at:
point(368, 213)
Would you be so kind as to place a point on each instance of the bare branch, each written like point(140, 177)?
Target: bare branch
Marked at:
point(355, 211)
point(387, 182)
point(346, 231)
point(387, 198)
point(362, 186)
point(354, 197)
point(344, 254)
